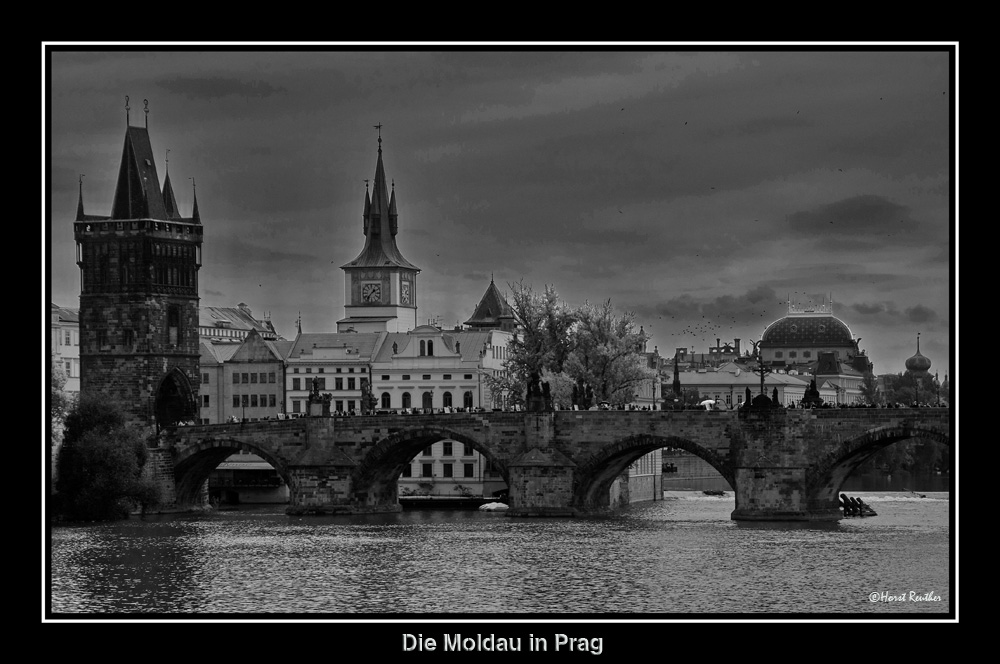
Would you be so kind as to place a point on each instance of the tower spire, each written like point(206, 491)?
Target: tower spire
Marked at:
point(194, 210)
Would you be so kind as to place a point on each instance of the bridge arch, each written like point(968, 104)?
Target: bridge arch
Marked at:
point(196, 460)
point(593, 478)
point(382, 465)
point(825, 477)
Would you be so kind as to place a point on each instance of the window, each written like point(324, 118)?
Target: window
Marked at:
point(271, 401)
point(792, 353)
point(468, 450)
point(425, 470)
point(236, 401)
point(296, 383)
point(447, 399)
point(447, 448)
point(204, 379)
point(350, 405)
point(253, 378)
point(778, 353)
point(406, 399)
point(430, 349)
point(295, 370)
point(67, 338)
point(263, 377)
point(428, 400)
point(244, 400)
point(253, 400)
point(363, 370)
point(321, 369)
point(338, 383)
point(309, 370)
point(407, 471)
point(468, 376)
point(246, 378)
point(423, 347)
point(385, 378)
point(806, 353)
point(236, 378)
point(447, 470)
point(447, 377)
point(350, 383)
point(296, 406)
point(467, 399)
point(338, 370)
point(270, 377)
point(174, 325)
point(427, 450)
point(204, 401)
point(470, 469)
point(351, 370)
point(340, 406)
point(406, 376)
point(386, 400)
point(426, 377)
point(321, 383)
point(69, 369)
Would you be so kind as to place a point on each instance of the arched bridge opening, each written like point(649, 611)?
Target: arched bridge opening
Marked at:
point(374, 480)
point(826, 477)
point(593, 478)
point(197, 460)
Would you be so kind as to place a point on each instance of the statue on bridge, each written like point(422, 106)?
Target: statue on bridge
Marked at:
point(812, 398)
point(539, 399)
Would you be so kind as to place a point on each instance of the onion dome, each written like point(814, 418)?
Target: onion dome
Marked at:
point(918, 363)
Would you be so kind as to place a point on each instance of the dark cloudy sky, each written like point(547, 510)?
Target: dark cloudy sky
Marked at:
point(697, 188)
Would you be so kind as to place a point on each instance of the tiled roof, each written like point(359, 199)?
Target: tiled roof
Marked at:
point(365, 342)
point(236, 318)
point(491, 308)
point(65, 314)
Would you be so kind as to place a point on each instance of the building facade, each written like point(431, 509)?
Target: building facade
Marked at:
point(64, 328)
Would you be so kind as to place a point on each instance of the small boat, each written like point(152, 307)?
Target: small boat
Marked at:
point(493, 507)
point(714, 492)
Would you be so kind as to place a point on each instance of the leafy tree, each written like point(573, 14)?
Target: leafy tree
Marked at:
point(59, 401)
point(869, 389)
point(591, 346)
point(607, 353)
point(100, 466)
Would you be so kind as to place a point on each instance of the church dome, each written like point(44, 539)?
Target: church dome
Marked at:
point(807, 331)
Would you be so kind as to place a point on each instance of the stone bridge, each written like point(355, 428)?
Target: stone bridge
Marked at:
point(782, 464)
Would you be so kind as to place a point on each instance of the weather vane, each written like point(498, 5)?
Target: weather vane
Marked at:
point(146, 111)
point(126, 110)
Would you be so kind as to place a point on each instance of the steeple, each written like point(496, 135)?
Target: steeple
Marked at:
point(380, 223)
point(492, 312)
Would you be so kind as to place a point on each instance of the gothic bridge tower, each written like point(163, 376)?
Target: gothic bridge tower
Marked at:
point(380, 285)
point(139, 293)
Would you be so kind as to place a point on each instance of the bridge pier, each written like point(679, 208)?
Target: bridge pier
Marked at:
point(541, 484)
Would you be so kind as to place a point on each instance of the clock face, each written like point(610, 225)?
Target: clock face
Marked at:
point(371, 293)
point(405, 292)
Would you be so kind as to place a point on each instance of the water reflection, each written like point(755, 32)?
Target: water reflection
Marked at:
point(678, 556)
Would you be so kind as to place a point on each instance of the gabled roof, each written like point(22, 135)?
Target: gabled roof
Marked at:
point(491, 308)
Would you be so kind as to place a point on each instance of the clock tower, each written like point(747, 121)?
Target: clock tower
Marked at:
point(380, 285)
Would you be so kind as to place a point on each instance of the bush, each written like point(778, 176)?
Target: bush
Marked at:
point(100, 466)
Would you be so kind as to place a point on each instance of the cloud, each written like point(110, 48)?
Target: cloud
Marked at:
point(217, 87)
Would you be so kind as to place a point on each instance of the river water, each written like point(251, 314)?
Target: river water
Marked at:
point(679, 557)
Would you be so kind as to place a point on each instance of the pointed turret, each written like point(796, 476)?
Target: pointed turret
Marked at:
point(169, 201)
point(195, 216)
point(79, 205)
